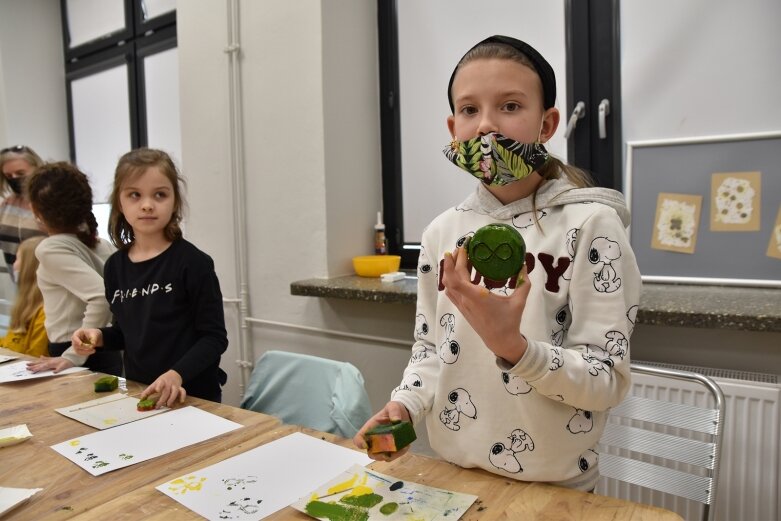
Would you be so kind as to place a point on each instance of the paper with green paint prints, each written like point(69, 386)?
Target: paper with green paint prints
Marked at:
point(256, 483)
point(360, 494)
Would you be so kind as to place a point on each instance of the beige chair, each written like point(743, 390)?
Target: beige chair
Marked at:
point(672, 448)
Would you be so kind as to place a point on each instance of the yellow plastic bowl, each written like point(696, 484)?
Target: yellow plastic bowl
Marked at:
point(376, 265)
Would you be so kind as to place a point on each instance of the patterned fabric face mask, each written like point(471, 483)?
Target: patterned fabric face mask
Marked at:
point(496, 160)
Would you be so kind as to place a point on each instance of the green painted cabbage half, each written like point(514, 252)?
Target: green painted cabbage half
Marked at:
point(497, 251)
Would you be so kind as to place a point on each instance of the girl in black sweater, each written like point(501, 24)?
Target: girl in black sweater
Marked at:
point(162, 290)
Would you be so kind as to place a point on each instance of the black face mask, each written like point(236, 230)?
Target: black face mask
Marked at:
point(16, 184)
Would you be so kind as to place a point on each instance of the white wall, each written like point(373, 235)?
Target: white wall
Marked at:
point(312, 165)
point(699, 68)
point(32, 78)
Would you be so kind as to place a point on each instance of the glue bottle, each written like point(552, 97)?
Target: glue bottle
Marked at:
point(380, 242)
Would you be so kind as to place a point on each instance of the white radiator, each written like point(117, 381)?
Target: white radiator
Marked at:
point(750, 477)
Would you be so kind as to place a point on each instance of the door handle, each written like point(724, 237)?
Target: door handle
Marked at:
point(577, 113)
point(603, 111)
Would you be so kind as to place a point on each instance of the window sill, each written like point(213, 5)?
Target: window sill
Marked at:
point(712, 307)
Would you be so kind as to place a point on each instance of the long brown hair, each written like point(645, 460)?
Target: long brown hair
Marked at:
point(28, 296)
point(61, 196)
point(130, 167)
point(554, 167)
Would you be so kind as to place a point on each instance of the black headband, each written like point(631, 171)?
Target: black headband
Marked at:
point(541, 66)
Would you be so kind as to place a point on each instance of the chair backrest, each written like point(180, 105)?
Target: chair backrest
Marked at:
point(315, 392)
point(5, 315)
point(669, 447)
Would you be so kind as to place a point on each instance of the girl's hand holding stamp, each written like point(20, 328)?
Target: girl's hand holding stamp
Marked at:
point(84, 341)
point(392, 412)
point(168, 387)
point(496, 318)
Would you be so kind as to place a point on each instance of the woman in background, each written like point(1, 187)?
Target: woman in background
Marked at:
point(17, 221)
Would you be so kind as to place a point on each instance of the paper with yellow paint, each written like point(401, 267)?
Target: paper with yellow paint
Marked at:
point(109, 411)
point(360, 494)
point(111, 449)
point(261, 481)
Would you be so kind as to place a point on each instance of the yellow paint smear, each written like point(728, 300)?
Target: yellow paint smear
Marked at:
point(359, 489)
point(341, 487)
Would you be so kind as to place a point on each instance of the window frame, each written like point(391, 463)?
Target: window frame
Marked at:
point(593, 73)
point(140, 39)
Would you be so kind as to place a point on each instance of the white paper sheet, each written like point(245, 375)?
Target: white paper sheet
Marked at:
point(132, 443)
point(13, 497)
point(7, 358)
point(361, 493)
point(257, 483)
point(110, 411)
point(18, 371)
point(14, 435)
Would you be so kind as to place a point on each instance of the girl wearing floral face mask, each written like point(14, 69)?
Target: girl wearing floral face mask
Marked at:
point(17, 221)
point(515, 376)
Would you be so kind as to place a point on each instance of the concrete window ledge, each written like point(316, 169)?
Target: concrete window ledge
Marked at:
point(712, 307)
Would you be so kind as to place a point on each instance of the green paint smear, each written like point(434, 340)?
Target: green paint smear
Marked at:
point(364, 500)
point(389, 508)
point(335, 512)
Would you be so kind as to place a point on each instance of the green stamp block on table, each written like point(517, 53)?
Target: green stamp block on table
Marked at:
point(106, 384)
point(147, 404)
point(497, 251)
point(390, 437)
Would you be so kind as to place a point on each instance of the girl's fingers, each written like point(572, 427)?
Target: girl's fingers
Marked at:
point(165, 395)
point(393, 411)
point(359, 439)
point(461, 259)
point(522, 286)
point(397, 412)
point(449, 261)
point(456, 271)
point(144, 394)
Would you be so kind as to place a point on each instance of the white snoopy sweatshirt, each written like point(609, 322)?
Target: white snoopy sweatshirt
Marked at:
point(539, 420)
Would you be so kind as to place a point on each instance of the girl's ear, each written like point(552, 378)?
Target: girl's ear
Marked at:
point(550, 122)
point(451, 126)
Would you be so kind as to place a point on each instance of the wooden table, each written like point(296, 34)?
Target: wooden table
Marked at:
point(129, 493)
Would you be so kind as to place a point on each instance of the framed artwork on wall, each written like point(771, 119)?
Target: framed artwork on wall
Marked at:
point(720, 193)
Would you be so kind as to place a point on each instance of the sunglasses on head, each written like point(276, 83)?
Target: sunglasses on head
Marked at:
point(15, 148)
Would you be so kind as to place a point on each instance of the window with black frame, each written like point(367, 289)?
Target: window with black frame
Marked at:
point(420, 43)
point(121, 70)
